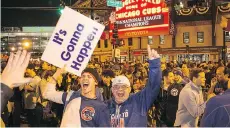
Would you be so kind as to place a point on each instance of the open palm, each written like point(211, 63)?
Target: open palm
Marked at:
point(13, 74)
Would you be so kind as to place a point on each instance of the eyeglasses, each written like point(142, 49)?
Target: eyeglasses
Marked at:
point(123, 87)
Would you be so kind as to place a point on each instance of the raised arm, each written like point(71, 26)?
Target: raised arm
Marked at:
point(50, 92)
point(147, 96)
point(13, 75)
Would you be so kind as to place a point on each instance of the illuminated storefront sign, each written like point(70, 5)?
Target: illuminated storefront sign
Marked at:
point(142, 18)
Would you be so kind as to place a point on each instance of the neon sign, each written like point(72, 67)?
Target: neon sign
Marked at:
point(142, 18)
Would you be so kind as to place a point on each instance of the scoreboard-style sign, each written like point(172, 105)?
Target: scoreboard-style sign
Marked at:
point(142, 18)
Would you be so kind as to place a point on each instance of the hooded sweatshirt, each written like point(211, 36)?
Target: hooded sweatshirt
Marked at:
point(133, 112)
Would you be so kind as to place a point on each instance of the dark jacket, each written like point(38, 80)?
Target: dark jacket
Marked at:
point(172, 102)
point(217, 112)
point(105, 91)
point(133, 112)
point(160, 108)
point(6, 94)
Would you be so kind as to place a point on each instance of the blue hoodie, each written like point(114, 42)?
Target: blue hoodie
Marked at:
point(133, 112)
point(217, 112)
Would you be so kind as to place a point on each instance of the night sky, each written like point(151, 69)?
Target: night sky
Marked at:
point(20, 18)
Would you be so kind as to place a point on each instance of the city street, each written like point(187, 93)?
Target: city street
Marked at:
point(115, 63)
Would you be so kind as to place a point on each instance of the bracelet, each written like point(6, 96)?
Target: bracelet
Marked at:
point(54, 79)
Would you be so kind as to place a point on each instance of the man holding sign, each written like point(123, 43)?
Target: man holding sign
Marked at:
point(81, 108)
point(72, 44)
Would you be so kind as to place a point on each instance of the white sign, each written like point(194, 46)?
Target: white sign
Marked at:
point(117, 53)
point(73, 41)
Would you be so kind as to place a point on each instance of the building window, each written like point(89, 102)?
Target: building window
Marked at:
point(130, 41)
point(200, 37)
point(162, 39)
point(227, 36)
point(106, 43)
point(150, 40)
point(186, 37)
point(99, 44)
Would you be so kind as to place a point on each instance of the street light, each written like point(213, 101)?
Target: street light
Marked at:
point(60, 10)
point(26, 44)
point(224, 24)
point(13, 49)
point(181, 5)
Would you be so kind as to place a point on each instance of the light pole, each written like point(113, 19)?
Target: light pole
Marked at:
point(91, 12)
point(129, 53)
point(224, 48)
point(187, 50)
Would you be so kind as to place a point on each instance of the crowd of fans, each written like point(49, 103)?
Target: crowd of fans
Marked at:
point(185, 91)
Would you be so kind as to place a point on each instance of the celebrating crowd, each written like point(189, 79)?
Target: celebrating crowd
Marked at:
point(111, 94)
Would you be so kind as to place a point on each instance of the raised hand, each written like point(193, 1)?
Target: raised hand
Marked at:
point(13, 74)
point(213, 81)
point(152, 53)
point(59, 72)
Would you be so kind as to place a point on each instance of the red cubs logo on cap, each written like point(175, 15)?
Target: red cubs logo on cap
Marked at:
point(87, 113)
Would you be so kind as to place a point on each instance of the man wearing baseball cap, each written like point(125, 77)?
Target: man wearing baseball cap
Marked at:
point(131, 110)
point(82, 108)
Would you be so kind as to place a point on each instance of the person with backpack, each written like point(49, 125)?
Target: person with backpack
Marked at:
point(82, 108)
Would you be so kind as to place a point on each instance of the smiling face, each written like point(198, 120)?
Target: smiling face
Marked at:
point(121, 92)
point(88, 84)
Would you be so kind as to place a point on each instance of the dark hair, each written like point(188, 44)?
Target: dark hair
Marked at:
point(205, 68)
point(220, 64)
point(195, 73)
point(226, 70)
point(108, 73)
point(46, 74)
point(228, 65)
point(106, 66)
point(31, 66)
point(166, 72)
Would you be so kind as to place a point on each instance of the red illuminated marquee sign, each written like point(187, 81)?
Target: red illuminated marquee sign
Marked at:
point(142, 18)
